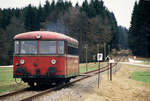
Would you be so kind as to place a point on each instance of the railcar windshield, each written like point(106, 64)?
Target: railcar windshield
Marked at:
point(28, 47)
point(47, 47)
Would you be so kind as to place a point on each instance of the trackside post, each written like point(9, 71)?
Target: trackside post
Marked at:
point(110, 63)
point(110, 71)
point(99, 58)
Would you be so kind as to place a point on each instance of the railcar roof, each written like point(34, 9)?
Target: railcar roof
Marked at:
point(45, 35)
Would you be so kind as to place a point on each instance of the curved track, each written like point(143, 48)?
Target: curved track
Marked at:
point(29, 94)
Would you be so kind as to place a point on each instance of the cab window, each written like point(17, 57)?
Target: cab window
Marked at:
point(47, 47)
point(28, 47)
point(60, 47)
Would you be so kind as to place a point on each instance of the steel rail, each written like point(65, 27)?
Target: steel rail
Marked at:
point(103, 69)
point(13, 93)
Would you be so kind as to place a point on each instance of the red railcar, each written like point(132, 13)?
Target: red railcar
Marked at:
point(45, 57)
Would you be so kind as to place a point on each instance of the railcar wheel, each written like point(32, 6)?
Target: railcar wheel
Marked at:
point(67, 80)
point(40, 84)
point(31, 84)
point(58, 82)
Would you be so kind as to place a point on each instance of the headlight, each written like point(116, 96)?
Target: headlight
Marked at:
point(22, 61)
point(53, 61)
point(38, 36)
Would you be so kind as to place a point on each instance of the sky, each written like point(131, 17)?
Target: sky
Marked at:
point(121, 8)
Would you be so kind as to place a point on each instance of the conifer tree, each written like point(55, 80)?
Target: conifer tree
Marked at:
point(31, 22)
point(139, 29)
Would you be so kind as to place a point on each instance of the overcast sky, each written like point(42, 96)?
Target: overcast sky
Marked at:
point(121, 8)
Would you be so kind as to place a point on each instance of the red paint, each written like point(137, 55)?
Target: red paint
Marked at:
point(72, 65)
point(65, 64)
point(45, 35)
point(42, 63)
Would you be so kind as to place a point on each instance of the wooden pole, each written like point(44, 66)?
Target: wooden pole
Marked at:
point(99, 73)
point(86, 47)
point(98, 66)
point(110, 71)
point(104, 50)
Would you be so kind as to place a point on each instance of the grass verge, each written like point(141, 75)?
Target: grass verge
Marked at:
point(141, 76)
point(90, 66)
point(7, 82)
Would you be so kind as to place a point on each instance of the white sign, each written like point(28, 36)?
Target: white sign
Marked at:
point(99, 57)
point(112, 61)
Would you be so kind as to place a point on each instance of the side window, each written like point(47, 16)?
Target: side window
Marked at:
point(16, 47)
point(60, 47)
point(72, 50)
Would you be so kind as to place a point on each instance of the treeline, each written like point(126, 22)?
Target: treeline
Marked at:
point(122, 37)
point(139, 32)
point(91, 23)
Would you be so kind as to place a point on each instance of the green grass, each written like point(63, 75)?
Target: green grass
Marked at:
point(141, 76)
point(91, 66)
point(6, 75)
point(7, 82)
point(148, 63)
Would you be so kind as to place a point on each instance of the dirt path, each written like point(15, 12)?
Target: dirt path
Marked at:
point(122, 88)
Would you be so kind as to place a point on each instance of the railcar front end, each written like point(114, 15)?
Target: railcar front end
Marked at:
point(43, 61)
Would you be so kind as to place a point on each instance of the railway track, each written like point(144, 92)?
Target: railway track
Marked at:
point(32, 98)
point(30, 94)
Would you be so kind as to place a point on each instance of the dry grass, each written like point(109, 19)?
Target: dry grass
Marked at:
point(122, 88)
